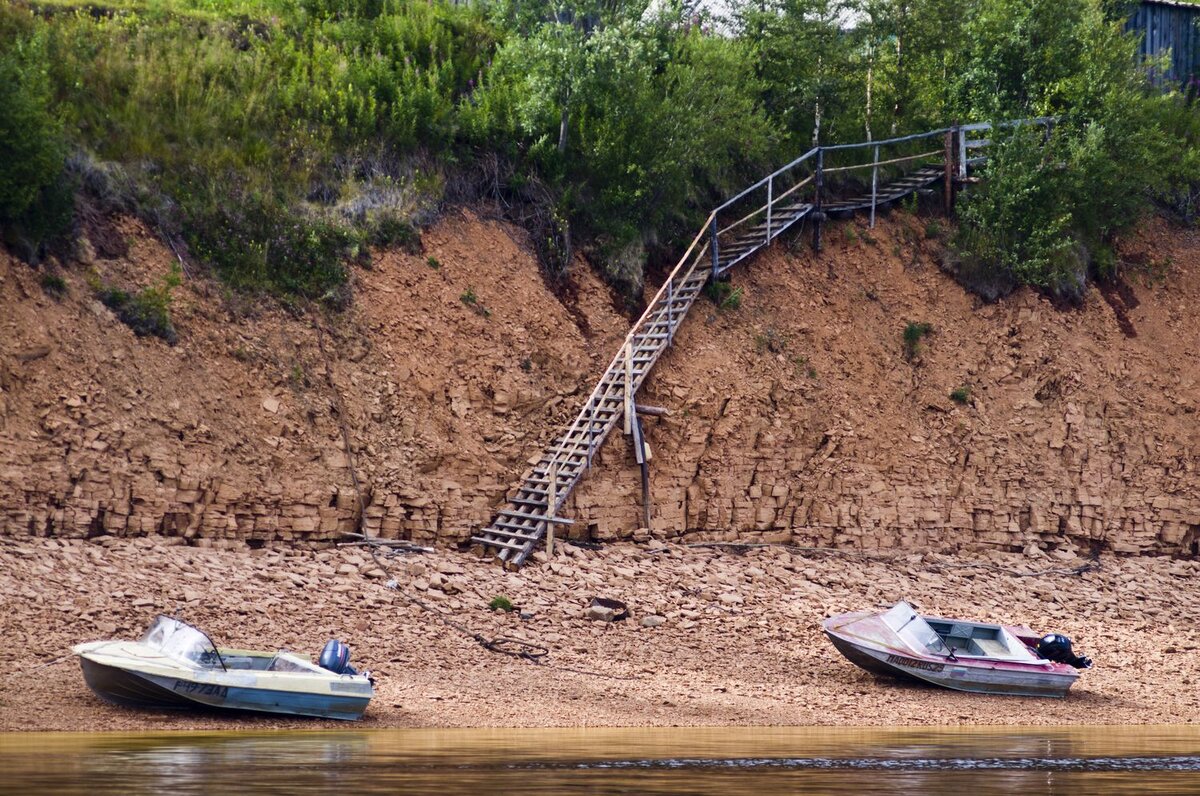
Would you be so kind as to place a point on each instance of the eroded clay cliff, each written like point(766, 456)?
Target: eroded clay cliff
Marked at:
point(798, 416)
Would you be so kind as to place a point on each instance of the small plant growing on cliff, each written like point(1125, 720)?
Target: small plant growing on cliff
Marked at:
point(960, 395)
point(432, 262)
point(501, 603)
point(526, 364)
point(147, 312)
point(932, 229)
point(914, 332)
point(770, 340)
point(390, 230)
point(471, 299)
point(724, 295)
point(54, 285)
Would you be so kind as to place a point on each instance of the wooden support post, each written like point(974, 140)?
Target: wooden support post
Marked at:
point(820, 189)
point(551, 500)
point(629, 413)
point(716, 263)
point(948, 188)
point(652, 411)
point(874, 183)
point(770, 200)
point(642, 452)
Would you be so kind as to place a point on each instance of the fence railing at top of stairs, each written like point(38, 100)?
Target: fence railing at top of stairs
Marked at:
point(816, 185)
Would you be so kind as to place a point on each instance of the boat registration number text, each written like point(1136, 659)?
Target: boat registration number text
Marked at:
point(912, 663)
point(205, 689)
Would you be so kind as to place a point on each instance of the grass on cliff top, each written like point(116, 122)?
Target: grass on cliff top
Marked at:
point(276, 138)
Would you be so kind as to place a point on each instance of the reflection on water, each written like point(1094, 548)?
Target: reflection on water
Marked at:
point(758, 761)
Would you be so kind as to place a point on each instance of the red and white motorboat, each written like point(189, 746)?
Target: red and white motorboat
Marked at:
point(955, 653)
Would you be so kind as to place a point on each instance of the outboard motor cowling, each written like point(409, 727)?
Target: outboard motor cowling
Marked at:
point(336, 657)
point(1057, 647)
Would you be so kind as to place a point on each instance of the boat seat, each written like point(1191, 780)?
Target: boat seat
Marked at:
point(993, 648)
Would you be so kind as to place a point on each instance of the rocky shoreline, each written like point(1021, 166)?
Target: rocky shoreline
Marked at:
point(716, 636)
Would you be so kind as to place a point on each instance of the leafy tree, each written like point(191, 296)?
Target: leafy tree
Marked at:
point(35, 198)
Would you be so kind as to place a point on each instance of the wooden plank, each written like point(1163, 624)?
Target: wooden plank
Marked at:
point(522, 515)
point(497, 543)
point(523, 536)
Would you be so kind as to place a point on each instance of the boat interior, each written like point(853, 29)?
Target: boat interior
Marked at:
point(249, 660)
point(980, 640)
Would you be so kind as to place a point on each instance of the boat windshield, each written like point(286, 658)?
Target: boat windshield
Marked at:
point(177, 639)
point(914, 631)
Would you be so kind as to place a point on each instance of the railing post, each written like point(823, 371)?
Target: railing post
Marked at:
point(551, 504)
point(874, 183)
point(820, 186)
point(962, 154)
point(948, 188)
point(770, 199)
point(670, 311)
point(715, 258)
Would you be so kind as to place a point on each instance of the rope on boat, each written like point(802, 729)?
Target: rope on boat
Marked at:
point(517, 648)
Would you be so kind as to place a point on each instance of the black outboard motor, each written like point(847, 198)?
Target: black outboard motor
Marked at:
point(1057, 647)
point(336, 657)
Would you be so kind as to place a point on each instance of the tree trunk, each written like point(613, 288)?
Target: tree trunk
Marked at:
point(870, 80)
point(901, 77)
point(816, 139)
point(563, 125)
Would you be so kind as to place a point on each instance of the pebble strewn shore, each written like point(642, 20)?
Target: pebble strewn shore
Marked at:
point(716, 636)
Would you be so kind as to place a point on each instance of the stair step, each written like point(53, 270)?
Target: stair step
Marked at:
point(522, 515)
point(499, 543)
point(525, 536)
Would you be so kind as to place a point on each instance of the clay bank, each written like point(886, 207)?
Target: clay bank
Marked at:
point(797, 417)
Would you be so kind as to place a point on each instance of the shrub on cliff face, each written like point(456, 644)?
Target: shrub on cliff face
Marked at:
point(147, 312)
point(255, 242)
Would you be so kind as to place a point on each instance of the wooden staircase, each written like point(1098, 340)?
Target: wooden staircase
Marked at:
point(533, 508)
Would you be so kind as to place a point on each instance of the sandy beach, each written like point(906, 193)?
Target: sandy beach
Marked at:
point(738, 643)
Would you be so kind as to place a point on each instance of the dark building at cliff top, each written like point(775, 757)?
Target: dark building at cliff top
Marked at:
point(1174, 26)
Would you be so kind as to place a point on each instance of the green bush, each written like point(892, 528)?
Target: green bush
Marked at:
point(36, 198)
point(55, 285)
point(914, 332)
point(1179, 194)
point(388, 230)
point(255, 242)
point(261, 131)
point(960, 395)
point(147, 312)
point(501, 603)
point(724, 295)
point(1053, 201)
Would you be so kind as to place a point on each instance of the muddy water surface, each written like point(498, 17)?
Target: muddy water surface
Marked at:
point(758, 761)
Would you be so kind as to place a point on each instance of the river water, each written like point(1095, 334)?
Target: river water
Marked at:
point(1079, 761)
